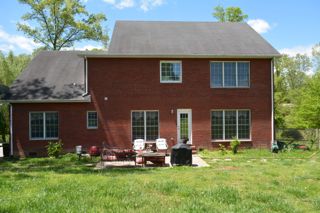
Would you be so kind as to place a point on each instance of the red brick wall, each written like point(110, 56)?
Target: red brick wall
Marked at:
point(134, 84)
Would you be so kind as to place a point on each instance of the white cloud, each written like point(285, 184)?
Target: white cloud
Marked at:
point(85, 47)
point(121, 4)
point(125, 4)
point(11, 42)
point(110, 1)
point(292, 51)
point(259, 25)
point(144, 5)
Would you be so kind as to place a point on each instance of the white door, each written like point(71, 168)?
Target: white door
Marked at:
point(184, 124)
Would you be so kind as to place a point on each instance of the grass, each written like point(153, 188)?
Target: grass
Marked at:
point(253, 181)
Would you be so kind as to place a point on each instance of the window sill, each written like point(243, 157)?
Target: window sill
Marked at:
point(92, 128)
point(230, 87)
point(43, 139)
point(171, 82)
point(227, 141)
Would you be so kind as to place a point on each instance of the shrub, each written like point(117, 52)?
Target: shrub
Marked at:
point(54, 148)
point(222, 149)
point(235, 143)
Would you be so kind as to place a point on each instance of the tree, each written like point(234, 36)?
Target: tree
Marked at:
point(306, 113)
point(60, 23)
point(290, 76)
point(10, 67)
point(316, 56)
point(230, 14)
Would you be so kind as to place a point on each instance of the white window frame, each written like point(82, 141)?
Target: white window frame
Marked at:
point(145, 122)
point(230, 87)
point(237, 125)
point(44, 126)
point(92, 127)
point(170, 82)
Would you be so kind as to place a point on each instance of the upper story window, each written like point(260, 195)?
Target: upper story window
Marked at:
point(170, 72)
point(43, 125)
point(229, 74)
point(92, 120)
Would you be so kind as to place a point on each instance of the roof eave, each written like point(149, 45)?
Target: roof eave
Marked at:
point(93, 55)
point(47, 101)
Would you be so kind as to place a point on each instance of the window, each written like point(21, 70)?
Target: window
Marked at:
point(92, 120)
point(170, 72)
point(226, 124)
point(229, 74)
point(43, 125)
point(145, 125)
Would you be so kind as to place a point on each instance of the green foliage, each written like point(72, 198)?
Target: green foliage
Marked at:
point(60, 23)
point(316, 56)
point(54, 148)
point(222, 149)
point(10, 67)
point(4, 122)
point(234, 144)
point(229, 14)
point(290, 76)
point(306, 112)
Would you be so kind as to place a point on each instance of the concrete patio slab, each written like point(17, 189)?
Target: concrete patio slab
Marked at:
point(197, 161)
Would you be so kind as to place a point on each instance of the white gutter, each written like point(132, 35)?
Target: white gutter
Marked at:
point(49, 101)
point(106, 55)
point(85, 76)
point(272, 103)
point(11, 131)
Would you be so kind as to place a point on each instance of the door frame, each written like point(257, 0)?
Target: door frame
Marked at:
point(189, 111)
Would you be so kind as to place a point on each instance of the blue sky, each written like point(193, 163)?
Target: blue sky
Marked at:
point(291, 26)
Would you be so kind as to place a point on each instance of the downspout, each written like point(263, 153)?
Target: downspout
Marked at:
point(11, 130)
point(85, 76)
point(272, 103)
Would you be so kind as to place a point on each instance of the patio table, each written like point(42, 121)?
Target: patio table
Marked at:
point(154, 157)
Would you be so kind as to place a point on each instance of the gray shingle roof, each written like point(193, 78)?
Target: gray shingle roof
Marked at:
point(188, 38)
point(51, 75)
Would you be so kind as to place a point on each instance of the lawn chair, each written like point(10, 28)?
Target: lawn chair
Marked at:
point(138, 147)
point(162, 146)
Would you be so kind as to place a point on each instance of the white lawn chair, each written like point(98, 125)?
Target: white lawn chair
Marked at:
point(138, 145)
point(162, 145)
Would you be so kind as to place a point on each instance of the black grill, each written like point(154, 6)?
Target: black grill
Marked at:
point(181, 155)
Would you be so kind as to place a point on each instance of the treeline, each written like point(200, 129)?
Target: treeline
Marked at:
point(297, 90)
point(10, 67)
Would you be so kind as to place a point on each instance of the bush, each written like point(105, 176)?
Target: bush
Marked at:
point(222, 149)
point(54, 148)
point(235, 143)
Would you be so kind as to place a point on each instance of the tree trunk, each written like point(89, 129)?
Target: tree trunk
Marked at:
point(3, 137)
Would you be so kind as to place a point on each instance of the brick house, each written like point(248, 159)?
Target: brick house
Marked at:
point(205, 81)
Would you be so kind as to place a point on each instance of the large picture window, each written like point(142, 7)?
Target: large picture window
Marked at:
point(229, 74)
point(170, 72)
point(145, 125)
point(43, 125)
point(226, 124)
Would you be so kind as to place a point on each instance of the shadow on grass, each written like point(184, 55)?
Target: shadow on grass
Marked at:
point(68, 164)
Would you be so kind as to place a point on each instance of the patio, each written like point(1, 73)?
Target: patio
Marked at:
point(197, 161)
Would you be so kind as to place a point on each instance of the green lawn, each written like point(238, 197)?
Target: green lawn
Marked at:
point(252, 181)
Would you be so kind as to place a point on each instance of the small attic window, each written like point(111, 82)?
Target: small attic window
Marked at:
point(170, 72)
